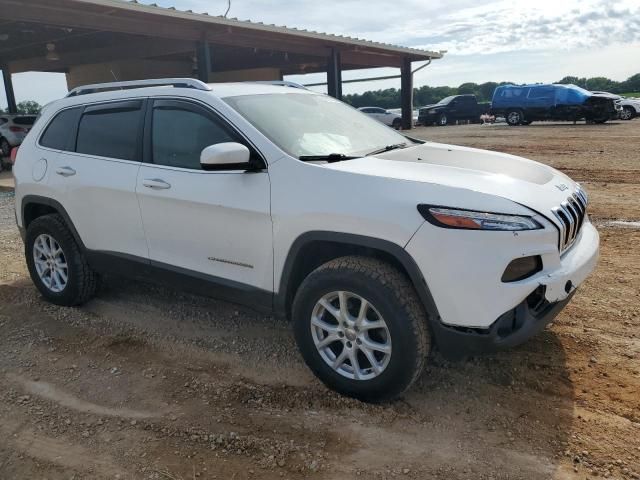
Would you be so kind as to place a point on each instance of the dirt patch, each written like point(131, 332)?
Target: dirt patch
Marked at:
point(145, 382)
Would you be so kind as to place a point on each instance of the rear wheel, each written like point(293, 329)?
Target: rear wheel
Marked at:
point(397, 123)
point(627, 113)
point(361, 328)
point(56, 264)
point(514, 117)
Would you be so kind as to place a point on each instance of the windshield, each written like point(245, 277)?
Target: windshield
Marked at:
point(445, 100)
point(310, 125)
point(584, 92)
point(29, 120)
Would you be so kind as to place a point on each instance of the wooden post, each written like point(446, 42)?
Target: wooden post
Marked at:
point(8, 90)
point(334, 75)
point(406, 94)
point(203, 54)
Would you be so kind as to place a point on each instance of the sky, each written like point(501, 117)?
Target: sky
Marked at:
point(486, 40)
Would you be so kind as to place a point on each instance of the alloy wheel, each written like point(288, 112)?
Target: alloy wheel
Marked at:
point(50, 262)
point(350, 335)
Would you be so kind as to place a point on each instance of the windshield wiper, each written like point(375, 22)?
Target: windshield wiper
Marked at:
point(388, 148)
point(332, 157)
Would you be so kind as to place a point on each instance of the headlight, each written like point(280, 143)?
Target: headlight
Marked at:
point(472, 220)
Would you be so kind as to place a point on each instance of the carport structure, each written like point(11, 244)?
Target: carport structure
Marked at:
point(104, 40)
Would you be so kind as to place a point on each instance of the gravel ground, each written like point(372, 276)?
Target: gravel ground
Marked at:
point(146, 382)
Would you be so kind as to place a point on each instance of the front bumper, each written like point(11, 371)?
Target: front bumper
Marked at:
point(511, 329)
point(463, 272)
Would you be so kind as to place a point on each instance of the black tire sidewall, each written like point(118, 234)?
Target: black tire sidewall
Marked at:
point(400, 371)
point(49, 225)
point(520, 115)
point(4, 142)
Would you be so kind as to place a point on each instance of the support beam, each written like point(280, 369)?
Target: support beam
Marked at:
point(406, 94)
point(8, 89)
point(203, 53)
point(334, 75)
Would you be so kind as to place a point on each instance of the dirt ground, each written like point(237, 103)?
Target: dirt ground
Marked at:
point(145, 382)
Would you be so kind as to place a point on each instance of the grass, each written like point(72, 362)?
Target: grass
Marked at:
point(631, 94)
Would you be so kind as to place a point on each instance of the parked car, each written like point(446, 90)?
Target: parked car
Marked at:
point(630, 106)
point(451, 109)
point(523, 104)
point(376, 246)
point(13, 129)
point(414, 114)
point(383, 116)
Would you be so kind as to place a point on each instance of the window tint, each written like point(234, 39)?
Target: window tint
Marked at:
point(29, 120)
point(59, 131)
point(179, 136)
point(110, 131)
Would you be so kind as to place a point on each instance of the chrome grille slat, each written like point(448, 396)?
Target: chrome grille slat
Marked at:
point(571, 214)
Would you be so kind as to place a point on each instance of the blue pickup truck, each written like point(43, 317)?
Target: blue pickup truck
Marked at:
point(523, 104)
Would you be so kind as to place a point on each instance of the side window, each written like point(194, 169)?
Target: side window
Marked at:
point(110, 130)
point(180, 133)
point(58, 134)
point(3, 121)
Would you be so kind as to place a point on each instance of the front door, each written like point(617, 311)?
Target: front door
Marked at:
point(210, 224)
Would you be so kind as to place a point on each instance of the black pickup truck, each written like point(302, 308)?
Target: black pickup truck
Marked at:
point(450, 109)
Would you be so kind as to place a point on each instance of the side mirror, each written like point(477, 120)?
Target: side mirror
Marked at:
point(225, 156)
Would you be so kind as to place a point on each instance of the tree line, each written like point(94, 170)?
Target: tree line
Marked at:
point(26, 107)
point(426, 95)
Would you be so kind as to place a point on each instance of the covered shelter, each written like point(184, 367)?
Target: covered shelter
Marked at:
point(94, 41)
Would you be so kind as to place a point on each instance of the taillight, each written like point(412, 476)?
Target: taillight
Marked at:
point(14, 154)
point(18, 129)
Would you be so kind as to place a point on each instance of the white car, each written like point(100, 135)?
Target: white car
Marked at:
point(383, 116)
point(13, 129)
point(630, 107)
point(376, 246)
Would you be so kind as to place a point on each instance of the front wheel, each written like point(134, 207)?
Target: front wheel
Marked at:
point(5, 148)
point(627, 113)
point(443, 120)
point(397, 124)
point(361, 328)
point(515, 117)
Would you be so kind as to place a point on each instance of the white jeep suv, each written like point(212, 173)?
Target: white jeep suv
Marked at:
point(377, 246)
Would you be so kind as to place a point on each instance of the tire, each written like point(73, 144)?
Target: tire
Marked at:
point(514, 117)
point(442, 120)
point(82, 282)
point(627, 113)
point(526, 122)
point(391, 299)
point(397, 124)
point(5, 148)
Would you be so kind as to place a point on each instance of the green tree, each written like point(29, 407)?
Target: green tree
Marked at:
point(29, 107)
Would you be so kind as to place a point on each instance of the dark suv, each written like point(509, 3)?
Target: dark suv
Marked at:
point(521, 105)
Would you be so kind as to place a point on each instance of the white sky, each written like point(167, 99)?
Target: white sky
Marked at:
point(486, 40)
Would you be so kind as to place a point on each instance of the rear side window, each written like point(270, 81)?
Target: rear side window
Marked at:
point(180, 134)
point(110, 130)
point(58, 134)
point(28, 120)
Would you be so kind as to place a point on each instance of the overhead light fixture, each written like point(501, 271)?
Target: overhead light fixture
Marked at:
point(52, 55)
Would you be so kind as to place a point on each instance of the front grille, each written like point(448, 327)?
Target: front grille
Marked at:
point(571, 214)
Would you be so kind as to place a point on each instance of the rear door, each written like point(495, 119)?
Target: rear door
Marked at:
point(96, 169)
point(210, 224)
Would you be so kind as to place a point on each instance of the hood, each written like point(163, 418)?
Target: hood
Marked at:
point(523, 181)
point(429, 107)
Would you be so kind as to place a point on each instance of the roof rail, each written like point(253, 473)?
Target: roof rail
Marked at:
point(282, 83)
point(160, 82)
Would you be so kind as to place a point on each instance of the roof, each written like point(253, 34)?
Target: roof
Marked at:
point(136, 6)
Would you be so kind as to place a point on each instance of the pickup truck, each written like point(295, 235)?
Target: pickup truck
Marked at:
point(523, 104)
point(450, 109)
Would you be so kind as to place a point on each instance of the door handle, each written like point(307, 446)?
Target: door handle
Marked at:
point(156, 183)
point(65, 171)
